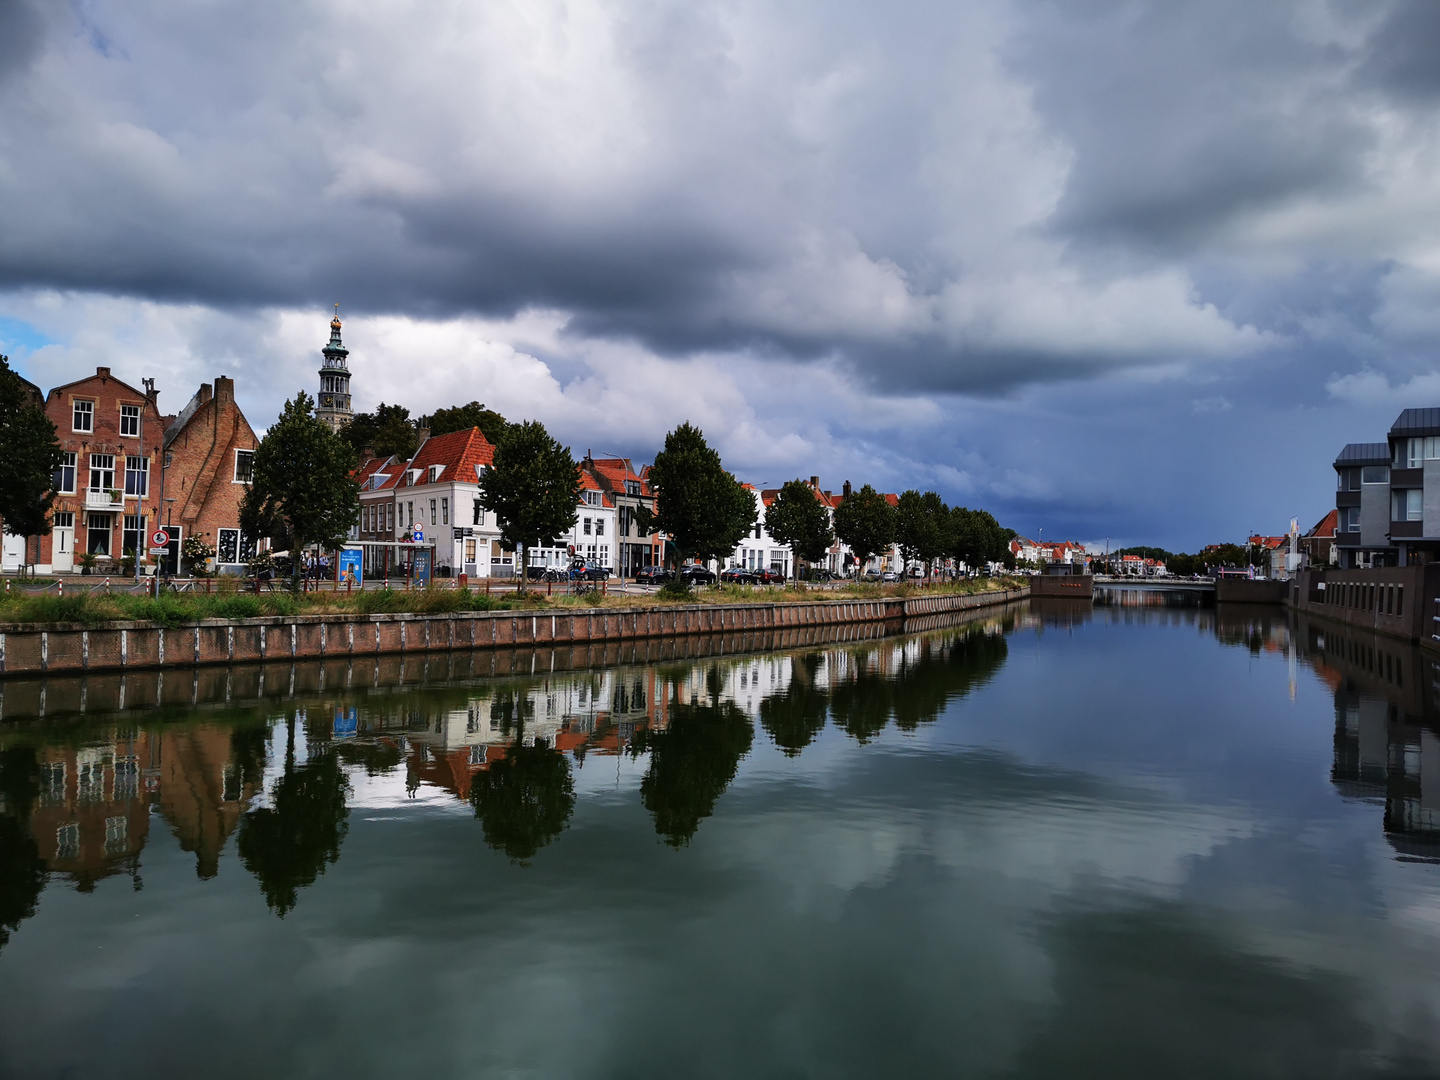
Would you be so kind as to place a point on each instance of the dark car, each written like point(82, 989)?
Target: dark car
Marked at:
point(739, 575)
point(766, 576)
point(653, 575)
point(580, 570)
point(696, 575)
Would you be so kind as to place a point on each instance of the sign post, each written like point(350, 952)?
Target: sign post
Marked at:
point(159, 542)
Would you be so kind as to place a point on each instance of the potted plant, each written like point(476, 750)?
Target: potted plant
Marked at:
point(87, 559)
point(114, 494)
point(127, 563)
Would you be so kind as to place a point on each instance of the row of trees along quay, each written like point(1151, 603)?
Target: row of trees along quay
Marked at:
point(304, 493)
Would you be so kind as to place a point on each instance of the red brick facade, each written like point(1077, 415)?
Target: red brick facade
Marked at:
point(110, 433)
point(208, 452)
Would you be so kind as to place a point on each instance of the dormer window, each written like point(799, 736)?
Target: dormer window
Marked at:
point(632, 487)
point(413, 475)
point(592, 498)
point(435, 471)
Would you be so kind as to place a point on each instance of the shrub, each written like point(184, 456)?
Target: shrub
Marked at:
point(675, 590)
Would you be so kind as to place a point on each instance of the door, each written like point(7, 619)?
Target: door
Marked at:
point(62, 549)
point(12, 555)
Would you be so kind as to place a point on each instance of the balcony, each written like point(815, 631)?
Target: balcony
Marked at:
point(103, 499)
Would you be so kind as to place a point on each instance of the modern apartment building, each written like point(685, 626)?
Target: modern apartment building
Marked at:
point(1387, 495)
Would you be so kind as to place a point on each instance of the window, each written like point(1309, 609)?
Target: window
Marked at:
point(227, 546)
point(244, 466)
point(115, 835)
point(1352, 519)
point(592, 498)
point(127, 778)
point(444, 511)
point(432, 512)
point(1375, 474)
point(435, 471)
point(390, 517)
point(97, 534)
point(82, 415)
point(587, 526)
point(129, 419)
point(131, 532)
point(62, 519)
point(102, 472)
point(632, 487)
point(137, 475)
point(64, 480)
point(67, 841)
point(1405, 505)
point(623, 527)
point(1418, 451)
point(410, 514)
point(52, 783)
point(599, 526)
point(479, 513)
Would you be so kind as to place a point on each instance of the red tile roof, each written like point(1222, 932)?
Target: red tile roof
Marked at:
point(458, 453)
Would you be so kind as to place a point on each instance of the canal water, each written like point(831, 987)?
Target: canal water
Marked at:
point(1134, 841)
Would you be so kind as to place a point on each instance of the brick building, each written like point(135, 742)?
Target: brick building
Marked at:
point(209, 454)
point(110, 435)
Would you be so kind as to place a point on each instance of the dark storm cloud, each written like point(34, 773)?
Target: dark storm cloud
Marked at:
point(1185, 117)
point(21, 33)
point(1403, 51)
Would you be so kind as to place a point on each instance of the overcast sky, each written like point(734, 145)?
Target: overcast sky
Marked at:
point(1124, 268)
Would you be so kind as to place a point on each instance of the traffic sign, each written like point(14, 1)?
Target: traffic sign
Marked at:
point(159, 538)
point(419, 537)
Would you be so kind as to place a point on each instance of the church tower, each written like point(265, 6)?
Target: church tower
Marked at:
point(332, 407)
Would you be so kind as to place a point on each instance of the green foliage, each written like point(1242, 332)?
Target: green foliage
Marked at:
point(388, 430)
point(303, 490)
point(702, 507)
point(532, 487)
point(22, 870)
point(524, 800)
point(287, 844)
point(866, 523)
point(922, 526)
point(31, 453)
point(796, 518)
point(1156, 553)
point(443, 421)
point(976, 538)
point(675, 590)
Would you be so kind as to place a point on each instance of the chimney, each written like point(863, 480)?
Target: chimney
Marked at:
point(103, 372)
point(815, 482)
point(224, 389)
point(845, 490)
point(205, 393)
point(422, 434)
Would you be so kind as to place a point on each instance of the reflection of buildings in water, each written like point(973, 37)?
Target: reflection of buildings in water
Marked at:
point(1387, 731)
point(92, 814)
point(203, 789)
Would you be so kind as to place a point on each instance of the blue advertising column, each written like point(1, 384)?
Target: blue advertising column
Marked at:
point(421, 563)
point(349, 567)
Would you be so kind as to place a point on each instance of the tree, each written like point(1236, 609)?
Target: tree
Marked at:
point(976, 538)
point(702, 507)
point(463, 417)
point(524, 800)
point(922, 526)
point(386, 432)
point(303, 490)
point(796, 518)
point(22, 870)
point(532, 487)
point(31, 453)
point(866, 522)
point(287, 844)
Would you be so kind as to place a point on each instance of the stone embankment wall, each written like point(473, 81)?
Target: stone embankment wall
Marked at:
point(51, 650)
point(1403, 601)
point(1246, 591)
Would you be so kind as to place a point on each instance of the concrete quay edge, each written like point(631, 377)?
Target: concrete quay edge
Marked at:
point(28, 649)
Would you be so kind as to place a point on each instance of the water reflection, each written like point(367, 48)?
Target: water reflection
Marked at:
point(79, 799)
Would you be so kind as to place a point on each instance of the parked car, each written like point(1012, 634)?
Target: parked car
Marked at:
point(889, 575)
point(768, 576)
point(739, 575)
point(696, 575)
point(580, 570)
point(872, 575)
point(654, 575)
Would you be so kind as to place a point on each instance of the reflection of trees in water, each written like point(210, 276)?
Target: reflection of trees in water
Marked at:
point(511, 708)
point(794, 718)
point(691, 763)
point(287, 844)
point(376, 758)
point(22, 871)
point(248, 747)
point(920, 688)
point(524, 800)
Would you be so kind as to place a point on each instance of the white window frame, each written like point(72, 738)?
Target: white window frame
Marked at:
point(143, 471)
point(235, 473)
point(444, 511)
point(134, 415)
point(69, 459)
point(87, 412)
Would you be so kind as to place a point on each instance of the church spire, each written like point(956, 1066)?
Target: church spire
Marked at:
point(332, 407)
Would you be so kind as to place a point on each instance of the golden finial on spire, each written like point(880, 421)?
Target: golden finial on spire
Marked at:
point(335, 322)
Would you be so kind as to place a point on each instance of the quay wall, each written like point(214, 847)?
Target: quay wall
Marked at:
point(61, 649)
point(1245, 591)
point(1068, 586)
point(1403, 601)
